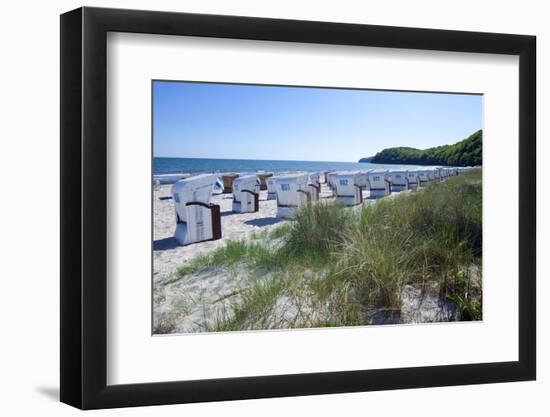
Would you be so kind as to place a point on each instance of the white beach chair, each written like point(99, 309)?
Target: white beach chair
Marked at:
point(197, 219)
point(246, 194)
point(398, 180)
point(292, 192)
point(324, 176)
point(271, 188)
point(413, 180)
point(314, 186)
point(423, 177)
point(347, 187)
point(330, 180)
point(378, 183)
point(430, 173)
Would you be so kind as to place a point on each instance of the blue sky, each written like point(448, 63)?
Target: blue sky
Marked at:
point(200, 120)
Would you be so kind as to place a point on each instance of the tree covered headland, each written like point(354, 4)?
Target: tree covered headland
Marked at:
point(467, 152)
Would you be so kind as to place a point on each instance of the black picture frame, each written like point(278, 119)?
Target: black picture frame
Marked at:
point(84, 207)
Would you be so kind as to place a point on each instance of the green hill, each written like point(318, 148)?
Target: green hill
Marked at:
point(467, 152)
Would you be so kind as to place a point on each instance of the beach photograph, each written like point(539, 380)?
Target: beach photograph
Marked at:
point(289, 207)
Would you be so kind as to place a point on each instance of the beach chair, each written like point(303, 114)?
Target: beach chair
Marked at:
point(263, 176)
point(324, 177)
point(197, 219)
point(378, 183)
point(413, 180)
point(430, 173)
point(292, 192)
point(423, 178)
point(330, 180)
point(219, 186)
point(227, 180)
point(348, 189)
point(271, 188)
point(398, 180)
point(314, 186)
point(245, 194)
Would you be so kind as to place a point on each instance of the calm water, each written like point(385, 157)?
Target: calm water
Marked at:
point(242, 166)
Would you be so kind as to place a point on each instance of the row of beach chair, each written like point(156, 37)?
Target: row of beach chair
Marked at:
point(197, 219)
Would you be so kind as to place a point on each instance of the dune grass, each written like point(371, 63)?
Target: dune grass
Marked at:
point(434, 235)
point(332, 264)
point(239, 251)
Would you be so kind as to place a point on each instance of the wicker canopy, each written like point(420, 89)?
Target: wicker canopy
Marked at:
point(227, 180)
point(263, 177)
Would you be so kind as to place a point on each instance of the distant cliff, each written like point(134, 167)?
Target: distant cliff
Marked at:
point(467, 152)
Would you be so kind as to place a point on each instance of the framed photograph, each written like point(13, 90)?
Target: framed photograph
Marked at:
point(257, 208)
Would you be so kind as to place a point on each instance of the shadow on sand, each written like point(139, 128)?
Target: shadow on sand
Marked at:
point(266, 221)
point(228, 213)
point(165, 244)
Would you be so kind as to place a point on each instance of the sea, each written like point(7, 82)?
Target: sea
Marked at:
point(164, 167)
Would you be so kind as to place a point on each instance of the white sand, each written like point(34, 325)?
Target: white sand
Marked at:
point(191, 302)
point(168, 254)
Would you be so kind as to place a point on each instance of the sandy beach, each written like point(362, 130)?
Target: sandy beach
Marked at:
point(186, 305)
point(169, 255)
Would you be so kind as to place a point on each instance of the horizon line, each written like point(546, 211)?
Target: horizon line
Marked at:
point(251, 159)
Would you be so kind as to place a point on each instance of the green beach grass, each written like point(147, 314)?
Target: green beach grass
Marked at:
point(333, 266)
